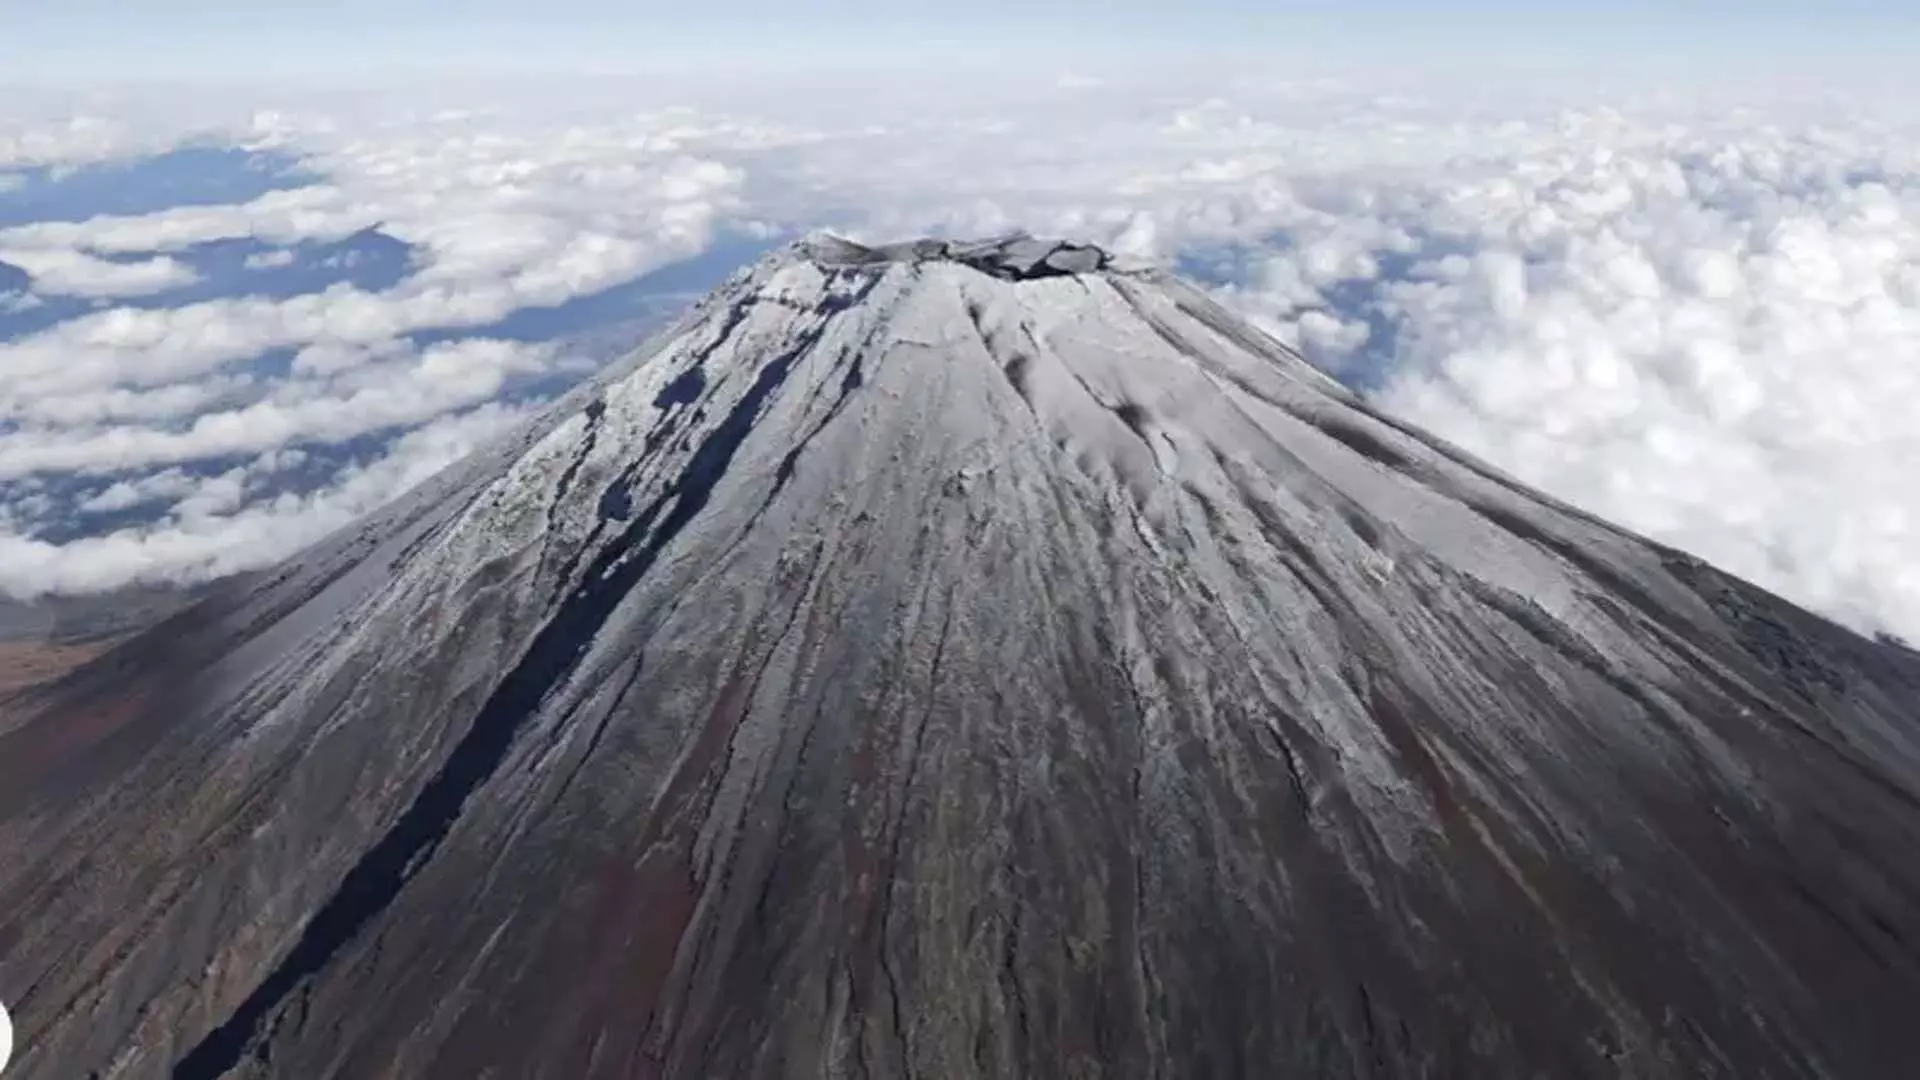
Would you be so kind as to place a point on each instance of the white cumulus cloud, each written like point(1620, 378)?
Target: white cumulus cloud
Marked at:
point(1698, 317)
point(213, 528)
point(65, 272)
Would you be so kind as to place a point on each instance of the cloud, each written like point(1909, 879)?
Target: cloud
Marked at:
point(110, 412)
point(34, 140)
point(212, 529)
point(315, 212)
point(1694, 317)
point(381, 395)
point(76, 273)
point(1719, 346)
point(500, 226)
point(127, 494)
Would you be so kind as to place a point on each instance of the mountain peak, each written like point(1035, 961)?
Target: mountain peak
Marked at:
point(1014, 256)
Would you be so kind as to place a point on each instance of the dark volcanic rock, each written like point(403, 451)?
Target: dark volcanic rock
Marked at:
point(1018, 257)
point(969, 660)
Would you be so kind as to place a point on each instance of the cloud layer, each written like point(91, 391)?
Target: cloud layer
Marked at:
point(1698, 320)
point(144, 441)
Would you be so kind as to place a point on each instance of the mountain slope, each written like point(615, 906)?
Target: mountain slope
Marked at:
point(967, 661)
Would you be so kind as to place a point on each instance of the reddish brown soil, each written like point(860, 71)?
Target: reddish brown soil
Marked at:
point(25, 664)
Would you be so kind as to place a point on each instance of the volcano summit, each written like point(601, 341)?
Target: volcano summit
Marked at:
point(960, 661)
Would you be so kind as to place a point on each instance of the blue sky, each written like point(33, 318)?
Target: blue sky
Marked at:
point(349, 39)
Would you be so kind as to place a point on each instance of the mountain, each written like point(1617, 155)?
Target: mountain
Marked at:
point(969, 660)
point(43, 638)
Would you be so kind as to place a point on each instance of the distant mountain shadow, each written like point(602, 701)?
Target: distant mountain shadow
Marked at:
point(188, 176)
point(369, 260)
point(229, 269)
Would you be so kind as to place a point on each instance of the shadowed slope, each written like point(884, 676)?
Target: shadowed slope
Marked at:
point(1002, 661)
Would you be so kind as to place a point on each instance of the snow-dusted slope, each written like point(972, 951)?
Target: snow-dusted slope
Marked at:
point(969, 661)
